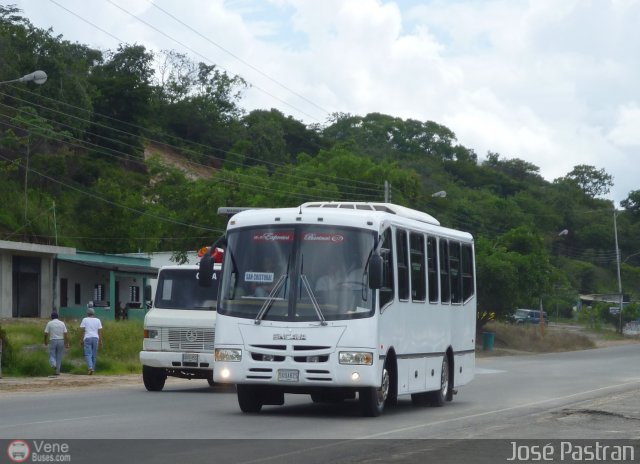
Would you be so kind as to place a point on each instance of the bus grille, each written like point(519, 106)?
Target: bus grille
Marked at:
point(191, 339)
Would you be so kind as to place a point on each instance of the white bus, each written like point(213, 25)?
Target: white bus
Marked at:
point(338, 299)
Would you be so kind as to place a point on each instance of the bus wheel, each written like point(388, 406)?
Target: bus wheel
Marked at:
point(210, 379)
point(438, 397)
point(249, 398)
point(153, 378)
point(372, 399)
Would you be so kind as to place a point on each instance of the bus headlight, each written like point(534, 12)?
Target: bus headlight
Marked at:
point(228, 354)
point(356, 357)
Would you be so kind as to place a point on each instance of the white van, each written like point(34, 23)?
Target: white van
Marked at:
point(179, 330)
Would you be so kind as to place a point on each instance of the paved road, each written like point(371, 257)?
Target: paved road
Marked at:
point(514, 397)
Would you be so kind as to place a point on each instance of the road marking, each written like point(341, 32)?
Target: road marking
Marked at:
point(481, 371)
point(497, 411)
point(56, 420)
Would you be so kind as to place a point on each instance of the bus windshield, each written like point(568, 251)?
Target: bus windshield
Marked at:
point(297, 273)
point(179, 289)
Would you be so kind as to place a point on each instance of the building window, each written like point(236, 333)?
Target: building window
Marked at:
point(98, 292)
point(64, 293)
point(134, 294)
point(76, 294)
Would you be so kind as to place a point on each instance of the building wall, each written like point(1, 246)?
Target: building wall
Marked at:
point(6, 282)
point(87, 278)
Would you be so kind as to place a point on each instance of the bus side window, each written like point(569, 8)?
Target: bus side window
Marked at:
point(432, 267)
point(403, 265)
point(445, 295)
point(454, 271)
point(386, 251)
point(467, 272)
point(418, 278)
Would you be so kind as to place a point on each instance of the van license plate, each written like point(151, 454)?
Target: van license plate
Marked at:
point(287, 375)
point(189, 358)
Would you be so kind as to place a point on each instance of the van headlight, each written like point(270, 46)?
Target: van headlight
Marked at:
point(355, 357)
point(228, 354)
point(152, 334)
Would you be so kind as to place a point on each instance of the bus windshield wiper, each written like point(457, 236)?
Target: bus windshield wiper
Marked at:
point(270, 299)
point(316, 306)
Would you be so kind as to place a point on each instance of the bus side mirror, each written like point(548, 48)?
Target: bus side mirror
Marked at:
point(205, 272)
point(375, 271)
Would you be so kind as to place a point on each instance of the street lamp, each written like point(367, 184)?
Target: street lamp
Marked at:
point(38, 77)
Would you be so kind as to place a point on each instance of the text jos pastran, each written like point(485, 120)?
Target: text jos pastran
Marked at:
point(571, 452)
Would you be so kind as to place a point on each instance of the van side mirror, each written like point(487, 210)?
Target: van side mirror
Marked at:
point(205, 272)
point(375, 271)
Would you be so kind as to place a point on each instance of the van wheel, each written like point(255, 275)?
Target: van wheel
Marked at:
point(153, 378)
point(372, 399)
point(249, 398)
point(438, 397)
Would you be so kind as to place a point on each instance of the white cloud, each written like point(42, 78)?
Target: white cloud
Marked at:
point(553, 83)
point(626, 131)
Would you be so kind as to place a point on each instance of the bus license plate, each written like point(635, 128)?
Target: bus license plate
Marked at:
point(287, 375)
point(189, 358)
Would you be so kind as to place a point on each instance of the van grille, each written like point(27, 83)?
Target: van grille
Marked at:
point(191, 339)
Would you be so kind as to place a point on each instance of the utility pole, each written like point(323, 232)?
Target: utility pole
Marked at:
point(26, 173)
point(615, 234)
point(55, 225)
point(387, 191)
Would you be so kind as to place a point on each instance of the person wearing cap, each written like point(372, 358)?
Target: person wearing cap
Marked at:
point(55, 336)
point(90, 338)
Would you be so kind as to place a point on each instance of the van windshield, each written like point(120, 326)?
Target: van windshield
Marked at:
point(179, 289)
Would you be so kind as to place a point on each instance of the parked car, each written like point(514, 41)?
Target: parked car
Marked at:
point(529, 316)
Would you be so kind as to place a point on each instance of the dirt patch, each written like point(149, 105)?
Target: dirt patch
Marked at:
point(522, 340)
point(169, 157)
point(66, 381)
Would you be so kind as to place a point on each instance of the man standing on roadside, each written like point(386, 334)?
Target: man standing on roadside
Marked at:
point(90, 338)
point(55, 336)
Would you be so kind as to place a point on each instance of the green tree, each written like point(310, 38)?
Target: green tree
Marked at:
point(593, 182)
point(122, 100)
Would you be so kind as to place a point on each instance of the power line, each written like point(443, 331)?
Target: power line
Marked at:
point(238, 58)
point(376, 188)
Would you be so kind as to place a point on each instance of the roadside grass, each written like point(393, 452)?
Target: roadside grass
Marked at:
point(529, 338)
point(28, 357)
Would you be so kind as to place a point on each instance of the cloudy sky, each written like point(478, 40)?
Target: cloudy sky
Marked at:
point(553, 82)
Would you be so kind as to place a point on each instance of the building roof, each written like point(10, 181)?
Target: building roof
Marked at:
point(35, 248)
point(117, 263)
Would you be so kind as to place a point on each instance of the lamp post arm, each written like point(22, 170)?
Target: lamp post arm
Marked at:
point(39, 77)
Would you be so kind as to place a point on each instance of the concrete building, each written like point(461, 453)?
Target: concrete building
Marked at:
point(27, 276)
point(37, 279)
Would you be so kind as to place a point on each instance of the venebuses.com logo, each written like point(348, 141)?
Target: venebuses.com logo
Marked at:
point(18, 451)
point(39, 451)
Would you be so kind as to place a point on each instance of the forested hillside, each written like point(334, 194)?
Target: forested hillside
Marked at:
point(73, 170)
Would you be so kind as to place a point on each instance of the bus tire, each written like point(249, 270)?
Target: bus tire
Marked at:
point(153, 378)
point(438, 397)
point(210, 379)
point(249, 398)
point(372, 399)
